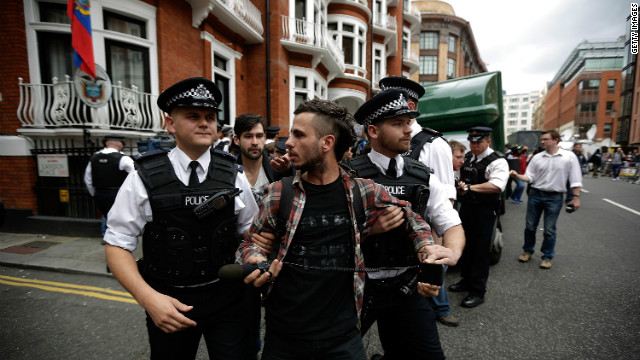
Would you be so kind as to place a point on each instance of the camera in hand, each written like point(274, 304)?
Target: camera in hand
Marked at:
point(570, 208)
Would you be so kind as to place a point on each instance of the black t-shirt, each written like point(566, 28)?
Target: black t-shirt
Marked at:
point(312, 303)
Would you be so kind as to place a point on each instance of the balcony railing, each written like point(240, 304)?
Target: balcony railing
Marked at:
point(247, 12)
point(411, 56)
point(57, 106)
point(385, 21)
point(300, 31)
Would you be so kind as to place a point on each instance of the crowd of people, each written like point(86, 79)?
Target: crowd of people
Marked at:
point(328, 231)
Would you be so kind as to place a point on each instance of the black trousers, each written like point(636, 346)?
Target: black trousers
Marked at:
point(225, 314)
point(478, 221)
point(407, 329)
point(342, 347)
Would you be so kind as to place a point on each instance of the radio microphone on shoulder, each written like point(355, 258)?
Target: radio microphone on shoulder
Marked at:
point(239, 272)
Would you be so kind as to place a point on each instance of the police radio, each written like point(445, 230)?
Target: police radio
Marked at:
point(421, 199)
point(217, 202)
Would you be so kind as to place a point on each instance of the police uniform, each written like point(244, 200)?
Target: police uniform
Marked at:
point(479, 214)
point(406, 321)
point(272, 132)
point(427, 145)
point(184, 245)
point(105, 173)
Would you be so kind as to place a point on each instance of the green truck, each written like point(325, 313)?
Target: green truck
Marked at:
point(453, 106)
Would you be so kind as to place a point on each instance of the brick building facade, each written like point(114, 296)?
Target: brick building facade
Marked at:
point(267, 56)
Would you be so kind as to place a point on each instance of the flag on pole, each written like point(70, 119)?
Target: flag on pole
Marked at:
point(80, 13)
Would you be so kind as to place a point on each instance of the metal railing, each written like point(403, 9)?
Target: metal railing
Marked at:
point(306, 32)
point(56, 105)
point(247, 12)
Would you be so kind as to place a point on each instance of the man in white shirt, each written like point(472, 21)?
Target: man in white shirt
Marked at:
point(105, 173)
point(406, 322)
point(548, 173)
point(485, 175)
point(186, 241)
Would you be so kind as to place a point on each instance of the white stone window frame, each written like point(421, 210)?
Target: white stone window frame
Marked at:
point(312, 77)
point(222, 50)
point(133, 9)
point(359, 27)
point(383, 64)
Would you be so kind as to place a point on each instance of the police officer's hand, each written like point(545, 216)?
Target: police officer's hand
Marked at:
point(281, 163)
point(438, 254)
point(391, 218)
point(264, 240)
point(166, 312)
point(462, 187)
point(428, 290)
point(257, 278)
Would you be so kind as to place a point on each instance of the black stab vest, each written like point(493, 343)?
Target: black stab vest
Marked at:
point(475, 174)
point(384, 250)
point(105, 171)
point(179, 249)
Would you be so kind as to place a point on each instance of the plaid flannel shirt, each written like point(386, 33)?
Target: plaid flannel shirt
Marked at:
point(375, 200)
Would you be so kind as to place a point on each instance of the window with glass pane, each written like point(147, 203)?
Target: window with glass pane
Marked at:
point(611, 83)
point(54, 13)
point(300, 82)
point(347, 28)
point(452, 43)
point(360, 53)
point(451, 68)
point(55, 56)
point(300, 98)
point(428, 40)
point(523, 122)
point(220, 62)
point(125, 25)
point(129, 64)
point(428, 65)
point(222, 82)
point(347, 49)
point(300, 9)
point(513, 122)
point(524, 113)
point(609, 106)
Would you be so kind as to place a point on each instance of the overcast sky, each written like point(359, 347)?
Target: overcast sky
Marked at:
point(528, 41)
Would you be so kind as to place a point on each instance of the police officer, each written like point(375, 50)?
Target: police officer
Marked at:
point(190, 205)
point(427, 145)
point(406, 321)
point(484, 176)
point(272, 133)
point(106, 172)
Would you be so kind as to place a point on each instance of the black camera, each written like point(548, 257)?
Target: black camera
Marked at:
point(570, 208)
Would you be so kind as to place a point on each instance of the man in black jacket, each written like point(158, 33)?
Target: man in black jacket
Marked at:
point(260, 170)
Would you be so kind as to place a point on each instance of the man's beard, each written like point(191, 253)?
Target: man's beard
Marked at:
point(248, 154)
point(315, 164)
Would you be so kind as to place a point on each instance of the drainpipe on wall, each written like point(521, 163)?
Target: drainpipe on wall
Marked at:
point(268, 72)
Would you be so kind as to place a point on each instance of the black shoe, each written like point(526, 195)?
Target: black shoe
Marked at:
point(376, 357)
point(472, 301)
point(458, 287)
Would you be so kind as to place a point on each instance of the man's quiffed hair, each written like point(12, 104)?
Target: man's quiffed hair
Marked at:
point(331, 118)
point(246, 122)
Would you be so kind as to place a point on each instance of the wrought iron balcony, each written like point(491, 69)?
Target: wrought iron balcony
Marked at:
point(56, 106)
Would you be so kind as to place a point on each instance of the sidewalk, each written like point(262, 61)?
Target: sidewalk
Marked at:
point(82, 255)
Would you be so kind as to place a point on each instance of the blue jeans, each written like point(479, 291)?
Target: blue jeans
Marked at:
point(616, 170)
point(517, 193)
point(440, 303)
point(551, 204)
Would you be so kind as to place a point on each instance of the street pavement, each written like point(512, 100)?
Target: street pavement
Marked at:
point(586, 307)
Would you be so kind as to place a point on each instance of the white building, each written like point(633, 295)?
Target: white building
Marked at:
point(518, 111)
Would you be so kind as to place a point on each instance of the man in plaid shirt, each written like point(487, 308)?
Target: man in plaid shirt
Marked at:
point(313, 308)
